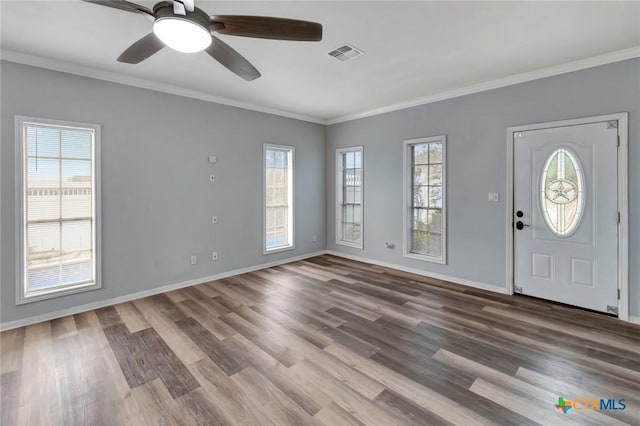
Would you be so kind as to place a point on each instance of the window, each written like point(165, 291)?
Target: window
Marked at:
point(561, 192)
point(278, 198)
point(349, 197)
point(58, 178)
point(425, 199)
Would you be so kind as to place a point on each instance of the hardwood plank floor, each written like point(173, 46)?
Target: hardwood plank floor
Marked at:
point(322, 341)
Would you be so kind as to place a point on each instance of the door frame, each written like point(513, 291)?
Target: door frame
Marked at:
point(623, 199)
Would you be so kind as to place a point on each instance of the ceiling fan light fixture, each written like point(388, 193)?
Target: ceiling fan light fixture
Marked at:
point(182, 34)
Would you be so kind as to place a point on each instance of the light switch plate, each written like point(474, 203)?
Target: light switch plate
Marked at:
point(494, 197)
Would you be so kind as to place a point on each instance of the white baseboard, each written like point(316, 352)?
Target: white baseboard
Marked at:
point(462, 281)
point(114, 301)
point(101, 304)
point(469, 283)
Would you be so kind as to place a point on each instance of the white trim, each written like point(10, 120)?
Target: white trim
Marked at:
point(455, 280)
point(623, 199)
point(623, 208)
point(21, 295)
point(116, 77)
point(339, 183)
point(145, 293)
point(138, 295)
point(407, 179)
point(292, 193)
point(594, 61)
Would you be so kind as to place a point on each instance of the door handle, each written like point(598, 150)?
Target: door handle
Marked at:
point(520, 226)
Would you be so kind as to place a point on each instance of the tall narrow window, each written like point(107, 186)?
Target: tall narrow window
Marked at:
point(278, 198)
point(58, 174)
point(349, 197)
point(425, 199)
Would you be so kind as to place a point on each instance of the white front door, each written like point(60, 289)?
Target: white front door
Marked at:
point(566, 215)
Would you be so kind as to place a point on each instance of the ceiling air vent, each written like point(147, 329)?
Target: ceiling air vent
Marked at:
point(346, 52)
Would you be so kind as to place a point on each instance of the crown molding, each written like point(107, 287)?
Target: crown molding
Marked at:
point(114, 77)
point(70, 68)
point(594, 61)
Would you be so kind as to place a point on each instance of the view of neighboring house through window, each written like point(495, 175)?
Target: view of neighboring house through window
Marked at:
point(58, 212)
point(349, 210)
point(278, 198)
point(425, 206)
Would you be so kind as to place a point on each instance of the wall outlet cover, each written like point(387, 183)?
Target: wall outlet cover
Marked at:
point(494, 197)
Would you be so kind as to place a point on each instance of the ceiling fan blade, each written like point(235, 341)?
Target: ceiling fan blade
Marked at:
point(267, 27)
point(235, 62)
point(141, 49)
point(124, 5)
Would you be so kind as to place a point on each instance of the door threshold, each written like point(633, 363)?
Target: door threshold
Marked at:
point(566, 305)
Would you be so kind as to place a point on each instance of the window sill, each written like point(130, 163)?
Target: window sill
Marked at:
point(425, 258)
point(278, 249)
point(350, 244)
point(52, 294)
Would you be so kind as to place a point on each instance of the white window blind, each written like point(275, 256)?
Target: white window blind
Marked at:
point(278, 198)
point(425, 218)
point(58, 185)
point(349, 209)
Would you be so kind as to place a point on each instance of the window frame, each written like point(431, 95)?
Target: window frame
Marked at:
point(408, 203)
point(339, 193)
point(22, 297)
point(291, 190)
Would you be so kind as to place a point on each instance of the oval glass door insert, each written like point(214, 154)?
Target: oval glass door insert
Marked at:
point(562, 192)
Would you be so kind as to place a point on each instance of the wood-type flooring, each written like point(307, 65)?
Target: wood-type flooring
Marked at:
point(324, 341)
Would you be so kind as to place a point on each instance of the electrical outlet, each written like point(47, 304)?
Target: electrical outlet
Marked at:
point(214, 256)
point(194, 260)
point(213, 159)
point(212, 178)
point(214, 219)
point(494, 197)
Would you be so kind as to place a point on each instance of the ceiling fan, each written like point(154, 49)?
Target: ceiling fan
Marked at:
point(180, 25)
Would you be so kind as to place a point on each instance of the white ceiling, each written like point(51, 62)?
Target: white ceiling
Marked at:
point(413, 50)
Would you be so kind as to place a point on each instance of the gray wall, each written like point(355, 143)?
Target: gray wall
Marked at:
point(476, 129)
point(157, 202)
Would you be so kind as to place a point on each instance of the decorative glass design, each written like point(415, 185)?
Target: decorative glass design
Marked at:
point(562, 192)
